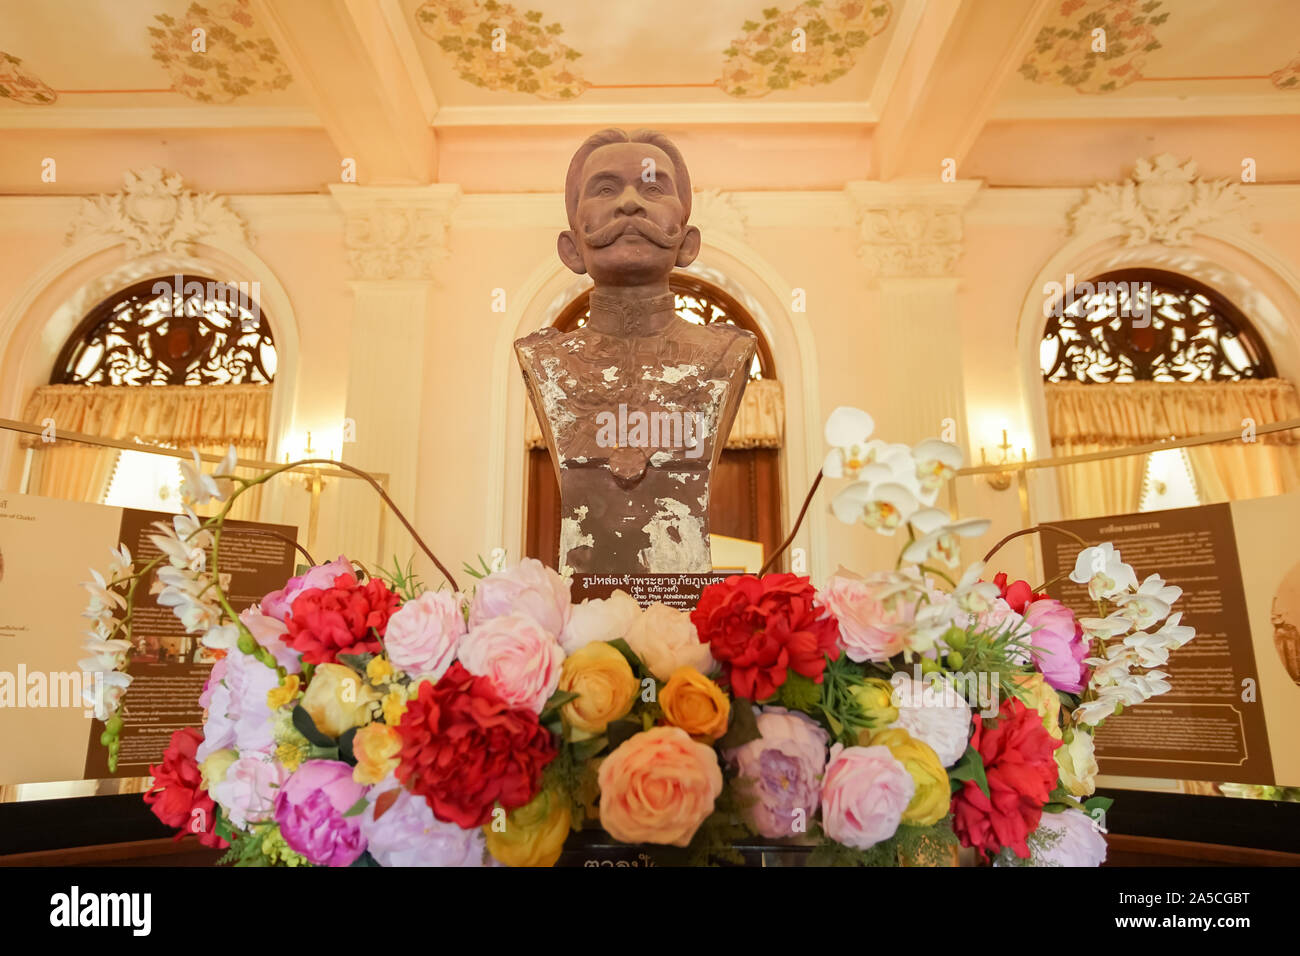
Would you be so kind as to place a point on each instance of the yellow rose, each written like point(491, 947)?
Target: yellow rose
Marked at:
point(277, 697)
point(1078, 764)
point(338, 699)
point(930, 802)
point(605, 685)
point(694, 703)
point(376, 747)
point(534, 834)
point(1040, 695)
point(876, 698)
point(213, 770)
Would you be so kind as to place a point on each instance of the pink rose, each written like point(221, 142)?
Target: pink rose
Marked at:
point(277, 603)
point(658, 786)
point(870, 630)
point(529, 587)
point(782, 769)
point(1056, 644)
point(423, 634)
point(864, 795)
point(247, 792)
point(238, 717)
point(520, 659)
point(270, 632)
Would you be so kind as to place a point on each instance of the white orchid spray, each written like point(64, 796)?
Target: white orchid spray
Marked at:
point(191, 588)
point(1127, 654)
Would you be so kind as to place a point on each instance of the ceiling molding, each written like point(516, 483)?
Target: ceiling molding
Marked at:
point(655, 114)
point(891, 67)
point(195, 116)
point(1083, 106)
point(400, 27)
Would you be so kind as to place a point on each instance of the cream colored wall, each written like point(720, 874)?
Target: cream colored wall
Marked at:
point(768, 242)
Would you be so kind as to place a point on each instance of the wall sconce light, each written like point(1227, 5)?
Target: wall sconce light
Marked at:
point(1001, 480)
point(314, 483)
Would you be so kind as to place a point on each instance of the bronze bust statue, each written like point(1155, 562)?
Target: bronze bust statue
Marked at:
point(635, 405)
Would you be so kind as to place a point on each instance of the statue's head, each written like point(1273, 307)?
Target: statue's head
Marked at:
point(628, 199)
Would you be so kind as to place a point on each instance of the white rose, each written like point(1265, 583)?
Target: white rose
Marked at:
point(529, 587)
point(599, 619)
point(665, 639)
point(936, 715)
point(422, 635)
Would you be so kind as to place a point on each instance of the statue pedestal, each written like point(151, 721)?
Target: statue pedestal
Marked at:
point(679, 591)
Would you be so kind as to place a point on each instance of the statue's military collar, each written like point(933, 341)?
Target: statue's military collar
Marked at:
point(613, 315)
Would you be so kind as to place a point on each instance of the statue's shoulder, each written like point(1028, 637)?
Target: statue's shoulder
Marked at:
point(725, 343)
point(545, 341)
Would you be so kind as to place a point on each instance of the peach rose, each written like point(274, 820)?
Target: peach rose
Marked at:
point(665, 639)
point(423, 634)
point(376, 747)
point(695, 704)
point(606, 688)
point(658, 786)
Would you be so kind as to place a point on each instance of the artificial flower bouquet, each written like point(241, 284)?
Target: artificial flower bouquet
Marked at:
point(357, 718)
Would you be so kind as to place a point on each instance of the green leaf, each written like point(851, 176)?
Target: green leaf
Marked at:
point(303, 723)
point(969, 767)
point(357, 662)
point(1097, 803)
point(620, 645)
point(345, 746)
point(551, 711)
point(743, 728)
point(586, 749)
point(357, 808)
point(620, 730)
point(365, 859)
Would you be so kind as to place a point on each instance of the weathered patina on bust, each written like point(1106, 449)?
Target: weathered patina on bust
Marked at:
point(635, 405)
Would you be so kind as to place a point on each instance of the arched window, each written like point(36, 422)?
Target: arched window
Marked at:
point(177, 330)
point(1146, 325)
point(745, 497)
point(1130, 357)
point(180, 361)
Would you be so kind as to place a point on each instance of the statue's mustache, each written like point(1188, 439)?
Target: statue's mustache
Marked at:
point(605, 235)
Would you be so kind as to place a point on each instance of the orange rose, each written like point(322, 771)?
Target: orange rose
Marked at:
point(694, 703)
point(376, 747)
point(658, 786)
point(605, 685)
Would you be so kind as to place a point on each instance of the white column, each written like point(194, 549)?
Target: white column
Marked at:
point(911, 239)
point(395, 236)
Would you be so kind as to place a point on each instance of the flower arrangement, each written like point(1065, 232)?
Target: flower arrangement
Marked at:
point(358, 718)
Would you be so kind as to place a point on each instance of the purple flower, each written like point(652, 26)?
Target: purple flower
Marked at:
point(277, 603)
point(783, 769)
point(408, 834)
point(238, 716)
point(309, 809)
point(1057, 645)
point(1069, 838)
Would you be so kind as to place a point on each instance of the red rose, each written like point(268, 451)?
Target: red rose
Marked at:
point(345, 618)
point(176, 794)
point(759, 628)
point(464, 750)
point(1018, 594)
point(1021, 770)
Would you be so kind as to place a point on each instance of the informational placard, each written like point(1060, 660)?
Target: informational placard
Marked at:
point(680, 591)
point(48, 546)
point(1230, 714)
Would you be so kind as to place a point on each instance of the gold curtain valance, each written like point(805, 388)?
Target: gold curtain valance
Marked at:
point(760, 421)
point(1118, 415)
point(182, 416)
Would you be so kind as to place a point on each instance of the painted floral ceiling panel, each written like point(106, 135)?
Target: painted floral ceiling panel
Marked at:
point(490, 52)
point(139, 54)
point(1122, 49)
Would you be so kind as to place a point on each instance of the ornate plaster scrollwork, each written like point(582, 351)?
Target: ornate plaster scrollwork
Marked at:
point(395, 232)
point(1164, 201)
point(154, 212)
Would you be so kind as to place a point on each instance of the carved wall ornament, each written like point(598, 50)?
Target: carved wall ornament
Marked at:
point(395, 242)
point(154, 212)
point(713, 212)
point(1163, 201)
point(910, 240)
